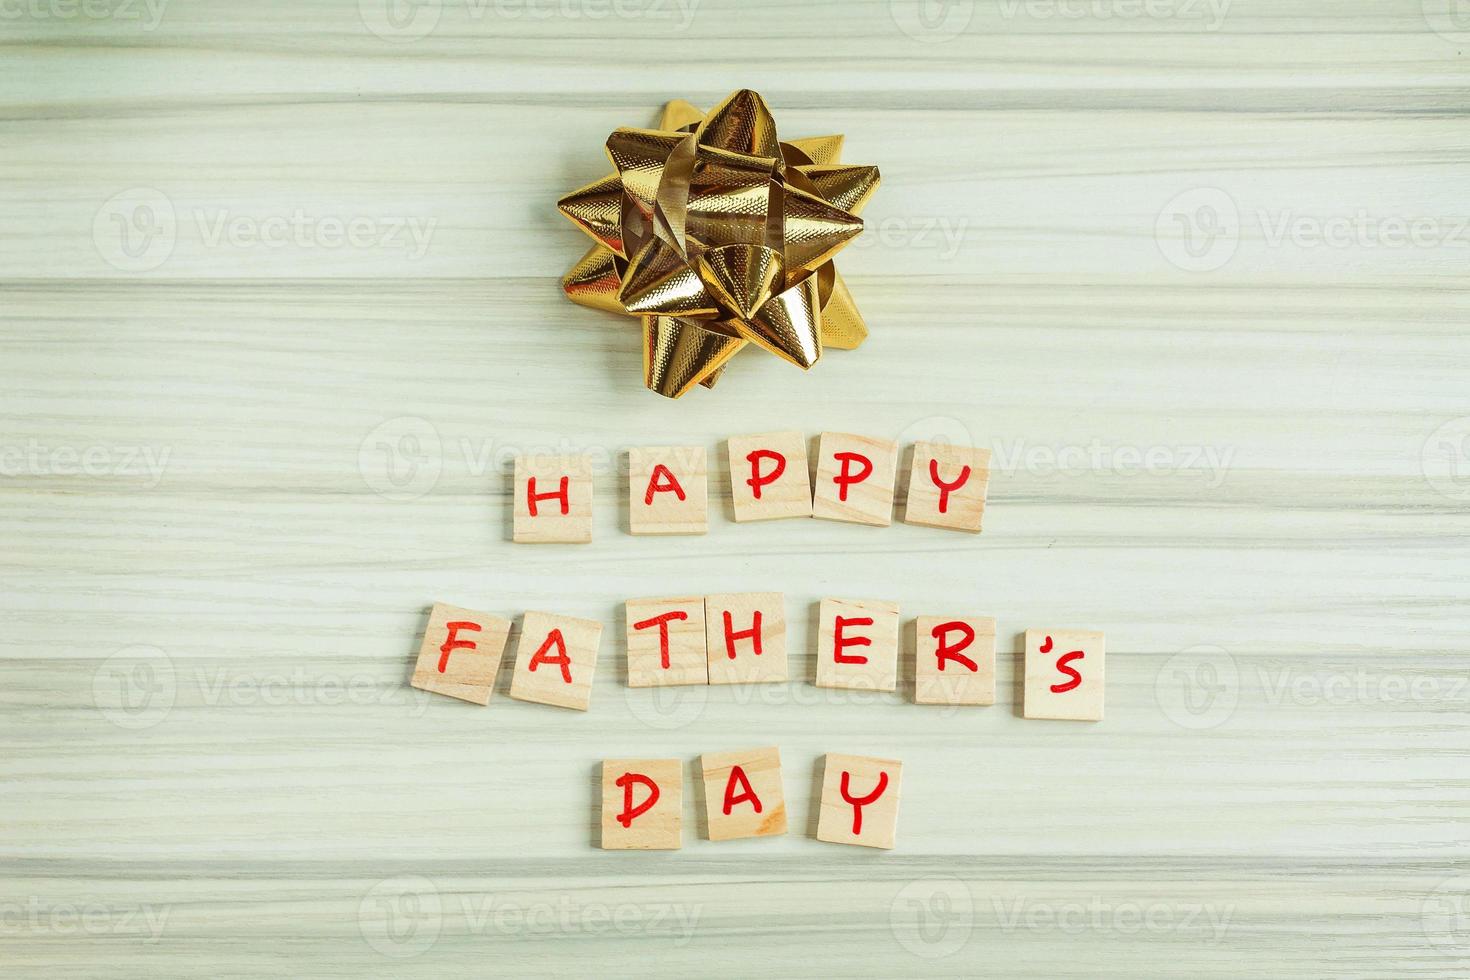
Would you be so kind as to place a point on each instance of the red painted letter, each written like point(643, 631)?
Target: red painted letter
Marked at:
point(839, 642)
point(553, 639)
point(626, 782)
point(846, 478)
point(946, 488)
point(859, 802)
point(662, 622)
point(1062, 665)
point(757, 479)
point(731, 635)
point(948, 651)
point(746, 794)
point(561, 494)
point(455, 643)
point(670, 482)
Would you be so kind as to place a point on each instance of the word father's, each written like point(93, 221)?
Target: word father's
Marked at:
point(741, 639)
point(769, 480)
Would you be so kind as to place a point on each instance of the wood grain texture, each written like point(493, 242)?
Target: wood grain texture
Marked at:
point(278, 309)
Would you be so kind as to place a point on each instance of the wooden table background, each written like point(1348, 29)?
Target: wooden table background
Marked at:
point(1195, 271)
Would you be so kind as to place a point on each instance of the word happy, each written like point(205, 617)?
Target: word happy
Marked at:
point(770, 479)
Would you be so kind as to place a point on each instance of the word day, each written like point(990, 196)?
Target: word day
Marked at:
point(643, 800)
point(741, 639)
point(769, 480)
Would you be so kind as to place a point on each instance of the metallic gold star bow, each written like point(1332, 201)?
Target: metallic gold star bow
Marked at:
point(717, 234)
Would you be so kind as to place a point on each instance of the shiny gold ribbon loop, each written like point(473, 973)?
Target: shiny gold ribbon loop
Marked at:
point(719, 236)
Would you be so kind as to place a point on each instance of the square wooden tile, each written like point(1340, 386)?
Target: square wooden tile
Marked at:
point(668, 490)
point(553, 500)
point(855, 477)
point(555, 660)
point(947, 486)
point(857, 644)
point(460, 653)
point(1064, 674)
point(955, 660)
point(745, 637)
point(743, 796)
point(666, 642)
point(859, 801)
point(769, 477)
point(642, 804)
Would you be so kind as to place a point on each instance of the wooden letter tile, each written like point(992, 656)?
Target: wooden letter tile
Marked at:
point(742, 794)
point(668, 490)
point(642, 804)
point(947, 486)
point(768, 476)
point(746, 637)
point(857, 645)
point(956, 660)
point(1064, 675)
point(666, 642)
point(555, 660)
point(859, 801)
point(553, 500)
point(855, 477)
point(460, 653)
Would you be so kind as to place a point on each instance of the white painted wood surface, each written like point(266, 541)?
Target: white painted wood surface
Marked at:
point(201, 435)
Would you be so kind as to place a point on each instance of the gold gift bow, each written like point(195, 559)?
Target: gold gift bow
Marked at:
point(716, 234)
